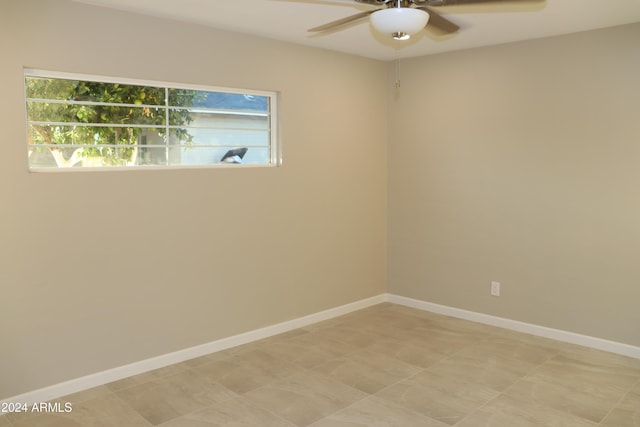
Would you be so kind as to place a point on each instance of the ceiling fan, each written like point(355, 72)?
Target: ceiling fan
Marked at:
point(403, 18)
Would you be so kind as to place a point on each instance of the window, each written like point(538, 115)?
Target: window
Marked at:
point(79, 122)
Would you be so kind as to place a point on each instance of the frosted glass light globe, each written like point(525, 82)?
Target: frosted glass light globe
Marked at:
point(399, 21)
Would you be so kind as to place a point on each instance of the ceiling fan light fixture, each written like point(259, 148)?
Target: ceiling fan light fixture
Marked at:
point(400, 22)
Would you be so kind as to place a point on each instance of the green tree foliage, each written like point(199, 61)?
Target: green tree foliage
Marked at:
point(98, 123)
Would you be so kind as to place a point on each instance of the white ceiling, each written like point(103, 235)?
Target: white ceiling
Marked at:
point(481, 25)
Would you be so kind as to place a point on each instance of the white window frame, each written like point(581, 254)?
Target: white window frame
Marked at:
point(274, 145)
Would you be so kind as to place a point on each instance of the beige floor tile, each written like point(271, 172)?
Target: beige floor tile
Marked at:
point(83, 396)
point(613, 362)
point(106, 411)
point(631, 400)
point(466, 326)
point(383, 321)
point(627, 412)
point(608, 381)
point(523, 349)
point(439, 396)
point(199, 361)
point(235, 412)
point(18, 415)
point(572, 401)
point(357, 318)
point(309, 350)
point(266, 343)
point(440, 339)
point(367, 371)
point(176, 395)
point(303, 398)
point(376, 412)
point(219, 355)
point(506, 411)
point(185, 422)
point(246, 371)
point(484, 366)
point(349, 334)
point(67, 408)
point(147, 377)
point(27, 414)
point(74, 400)
point(549, 344)
point(622, 418)
point(47, 420)
point(407, 351)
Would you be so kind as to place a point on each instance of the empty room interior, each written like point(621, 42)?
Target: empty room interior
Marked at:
point(350, 285)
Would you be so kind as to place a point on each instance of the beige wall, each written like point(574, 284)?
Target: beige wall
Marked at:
point(98, 270)
point(521, 163)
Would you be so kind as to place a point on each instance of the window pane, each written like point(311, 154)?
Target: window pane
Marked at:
point(80, 113)
point(221, 137)
point(86, 135)
point(73, 122)
point(153, 150)
point(218, 100)
point(212, 119)
point(77, 90)
point(93, 146)
point(256, 156)
point(207, 155)
point(49, 88)
point(152, 156)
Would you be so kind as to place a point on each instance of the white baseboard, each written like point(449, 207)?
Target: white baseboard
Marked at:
point(79, 384)
point(542, 331)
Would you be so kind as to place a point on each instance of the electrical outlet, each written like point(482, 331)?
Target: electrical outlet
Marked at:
point(495, 289)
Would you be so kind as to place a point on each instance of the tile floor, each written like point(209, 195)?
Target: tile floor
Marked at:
point(387, 365)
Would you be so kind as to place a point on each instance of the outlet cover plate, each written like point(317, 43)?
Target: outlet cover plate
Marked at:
point(495, 289)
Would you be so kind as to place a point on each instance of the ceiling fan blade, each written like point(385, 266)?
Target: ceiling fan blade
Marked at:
point(460, 2)
point(348, 3)
point(440, 22)
point(342, 21)
point(373, 2)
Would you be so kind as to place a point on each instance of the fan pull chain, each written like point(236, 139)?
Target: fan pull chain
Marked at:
point(397, 74)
